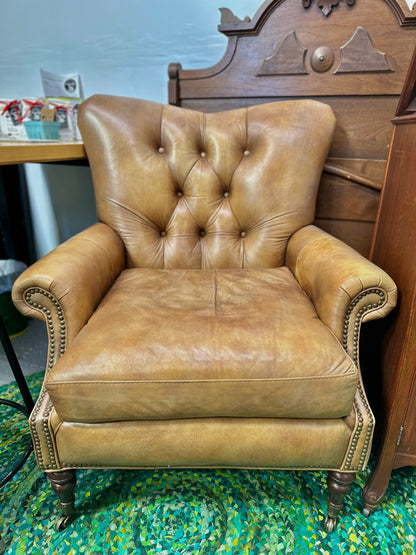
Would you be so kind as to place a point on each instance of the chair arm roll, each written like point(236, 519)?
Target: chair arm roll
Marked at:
point(345, 288)
point(65, 286)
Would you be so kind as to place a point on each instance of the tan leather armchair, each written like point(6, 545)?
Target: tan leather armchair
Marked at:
point(204, 322)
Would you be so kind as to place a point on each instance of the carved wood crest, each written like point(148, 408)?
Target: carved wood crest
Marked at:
point(228, 17)
point(359, 54)
point(287, 59)
point(326, 5)
point(232, 25)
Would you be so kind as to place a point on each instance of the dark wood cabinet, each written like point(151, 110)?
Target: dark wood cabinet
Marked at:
point(394, 249)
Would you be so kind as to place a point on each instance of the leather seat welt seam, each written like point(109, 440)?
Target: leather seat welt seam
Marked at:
point(202, 381)
point(200, 466)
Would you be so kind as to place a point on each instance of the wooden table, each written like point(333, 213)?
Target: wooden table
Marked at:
point(20, 152)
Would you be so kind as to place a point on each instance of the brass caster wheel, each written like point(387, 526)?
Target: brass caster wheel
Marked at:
point(330, 523)
point(62, 523)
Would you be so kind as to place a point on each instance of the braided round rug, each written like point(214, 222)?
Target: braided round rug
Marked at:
point(202, 512)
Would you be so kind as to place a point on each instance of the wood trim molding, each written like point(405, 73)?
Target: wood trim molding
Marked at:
point(252, 26)
point(406, 103)
point(231, 25)
point(352, 176)
point(326, 5)
point(402, 120)
point(175, 70)
point(405, 15)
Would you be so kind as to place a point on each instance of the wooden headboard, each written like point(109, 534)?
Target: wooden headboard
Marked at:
point(351, 54)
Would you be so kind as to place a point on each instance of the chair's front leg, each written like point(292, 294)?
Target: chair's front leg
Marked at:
point(63, 483)
point(339, 484)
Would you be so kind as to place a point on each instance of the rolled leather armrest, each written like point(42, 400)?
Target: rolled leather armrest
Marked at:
point(65, 286)
point(345, 288)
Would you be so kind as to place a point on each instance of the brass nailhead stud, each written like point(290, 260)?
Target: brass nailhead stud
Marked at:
point(161, 150)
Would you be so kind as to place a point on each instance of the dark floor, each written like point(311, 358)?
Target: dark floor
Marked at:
point(31, 351)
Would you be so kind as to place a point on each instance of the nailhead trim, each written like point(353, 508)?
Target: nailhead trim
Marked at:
point(53, 341)
point(356, 333)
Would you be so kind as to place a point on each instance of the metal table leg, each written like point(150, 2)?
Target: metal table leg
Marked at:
point(15, 366)
point(27, 398)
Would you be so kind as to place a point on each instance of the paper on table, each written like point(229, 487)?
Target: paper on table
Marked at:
point(64, 86)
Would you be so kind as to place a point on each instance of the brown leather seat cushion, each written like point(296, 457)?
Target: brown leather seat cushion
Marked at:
point(171, 344)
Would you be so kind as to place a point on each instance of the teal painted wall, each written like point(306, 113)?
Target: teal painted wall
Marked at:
point(119, 47)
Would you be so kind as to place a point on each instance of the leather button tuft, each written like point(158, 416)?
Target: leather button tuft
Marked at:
point(161, 150)
point(179, 194)
point(163, 233)
point(226, 194)
point(203, 154)
point(246, 152)
point(202, 233)
point(243, 234)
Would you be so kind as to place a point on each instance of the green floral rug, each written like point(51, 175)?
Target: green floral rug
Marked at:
point(193, 512)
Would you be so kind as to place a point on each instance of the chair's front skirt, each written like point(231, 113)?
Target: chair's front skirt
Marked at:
point(333, 444)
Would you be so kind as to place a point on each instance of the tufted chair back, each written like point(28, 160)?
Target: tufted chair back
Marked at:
point(185, 189)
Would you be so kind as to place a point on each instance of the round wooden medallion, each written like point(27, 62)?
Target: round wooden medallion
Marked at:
point(322, 59)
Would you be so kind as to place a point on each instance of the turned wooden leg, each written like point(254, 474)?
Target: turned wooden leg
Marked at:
point(63, 483)
point(339, 484)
